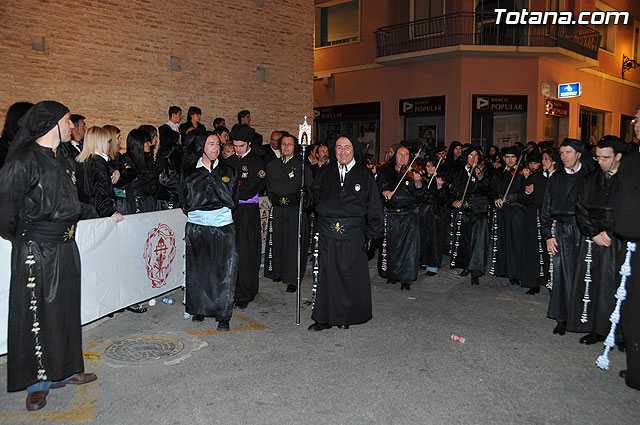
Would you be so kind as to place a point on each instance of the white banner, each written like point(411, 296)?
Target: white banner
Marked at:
point(122, 264)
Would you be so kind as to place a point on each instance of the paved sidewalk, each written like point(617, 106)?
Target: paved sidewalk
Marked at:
point(400, 368)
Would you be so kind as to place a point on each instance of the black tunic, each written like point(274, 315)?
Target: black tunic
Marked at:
point(38, 186)
point(211, 257)
point(127, 175)
point(591, 307)
point(401, 243)
point(168, 166)
point(95, 190)
point(535, 259)
point(283, 182)
point(558, 209)
point(140, 192)
point(470, 231)
point(432, 217)
point(627, 205)
point(346, 215)
point(508, 235)
point(246, 217)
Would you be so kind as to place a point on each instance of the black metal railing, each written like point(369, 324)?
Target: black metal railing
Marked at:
point(481, 29)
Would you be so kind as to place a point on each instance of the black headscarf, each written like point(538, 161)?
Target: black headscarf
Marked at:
point(38, 121)
point(359, 150)
point(195, 149)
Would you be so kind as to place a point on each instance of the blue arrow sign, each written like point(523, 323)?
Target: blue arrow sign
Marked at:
point(569, 90)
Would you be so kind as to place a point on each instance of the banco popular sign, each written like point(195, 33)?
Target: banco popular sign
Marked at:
point(499, 103)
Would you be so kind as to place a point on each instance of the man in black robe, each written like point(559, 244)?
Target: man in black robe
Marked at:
point(468, 196)
point(323, 160)
point(507, 218)
point(594, 285)
point(251, 179)
point(284, 178)
point(627, 205)
point(175, 116)
point(559, 230)
point(272, 151)
point(39, 209)
point(209, 192)
point(401, 243)
point(349, 218)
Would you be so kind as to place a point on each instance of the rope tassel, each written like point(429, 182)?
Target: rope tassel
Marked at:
point(621, 295)
point(587, 282)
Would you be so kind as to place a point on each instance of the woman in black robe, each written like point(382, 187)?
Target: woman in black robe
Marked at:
point(209, 190)
point(470, 241)
point(140, 192)
point(168, 165)
point(535, 260)
point(400, 252)
point(349, 218)
point(93, 174)
point(432, 217)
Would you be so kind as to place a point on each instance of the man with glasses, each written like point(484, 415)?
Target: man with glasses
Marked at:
point(594, 284)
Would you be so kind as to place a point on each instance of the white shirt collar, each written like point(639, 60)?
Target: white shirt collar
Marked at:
point(75, 144)
point(201, 164)
point(174, 126)
point(246, 153)
point(276, 151)
point(349, 165)
point(570, 171)
point(102, 155)
point(547, 173)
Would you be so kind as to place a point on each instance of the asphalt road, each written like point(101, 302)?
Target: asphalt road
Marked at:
point(400, 368)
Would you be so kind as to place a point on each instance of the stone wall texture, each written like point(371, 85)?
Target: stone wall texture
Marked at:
point(109, 60)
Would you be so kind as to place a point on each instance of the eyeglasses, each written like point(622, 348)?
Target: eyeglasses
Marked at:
point(602, 158)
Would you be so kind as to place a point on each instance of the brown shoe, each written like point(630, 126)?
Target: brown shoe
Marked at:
point(82, 378)
point(36, 400)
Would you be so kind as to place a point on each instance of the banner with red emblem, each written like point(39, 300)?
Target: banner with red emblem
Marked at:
point(122, 263)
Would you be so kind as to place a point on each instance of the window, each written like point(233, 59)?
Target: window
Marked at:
point(608, 31)
point(337, 23)
point(428, 14)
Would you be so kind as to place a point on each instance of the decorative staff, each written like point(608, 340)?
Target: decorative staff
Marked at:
point(406, 171)
point(304, 137)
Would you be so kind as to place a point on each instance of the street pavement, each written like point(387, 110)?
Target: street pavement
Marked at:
point(400, 368)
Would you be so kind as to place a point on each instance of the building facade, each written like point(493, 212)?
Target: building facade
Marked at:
point(433, 71)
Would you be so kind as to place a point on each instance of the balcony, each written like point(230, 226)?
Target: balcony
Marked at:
point(475, 32)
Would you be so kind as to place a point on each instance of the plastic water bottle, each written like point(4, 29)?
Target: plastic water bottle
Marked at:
point(455, 337)
point(167, 300)
point(152, 302)
point(187, 316)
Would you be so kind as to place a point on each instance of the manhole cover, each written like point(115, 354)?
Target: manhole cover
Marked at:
point(144, 348)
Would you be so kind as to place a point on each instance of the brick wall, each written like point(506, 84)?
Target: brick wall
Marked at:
point(110, 60)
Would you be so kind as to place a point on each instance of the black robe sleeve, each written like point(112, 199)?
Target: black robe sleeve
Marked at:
point(17, 178)
point(583, 221)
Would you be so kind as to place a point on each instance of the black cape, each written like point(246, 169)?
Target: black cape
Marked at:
point(251, 181)
point(470, 232)
point(398, 260)
point(283, 182)
point(38, 186)
point(558, 209)
point(211, 256)
point(432, 217)
point(591, 305)
point(346, 215)
point(95, 190)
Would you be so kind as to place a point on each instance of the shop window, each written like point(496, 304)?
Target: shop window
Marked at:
point(591, 126)
point(337, 23)
point(626, 128)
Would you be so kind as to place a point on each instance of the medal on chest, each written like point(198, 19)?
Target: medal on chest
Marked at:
point(291, 175)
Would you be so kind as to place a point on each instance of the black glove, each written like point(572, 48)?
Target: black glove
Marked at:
point(369, 245)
